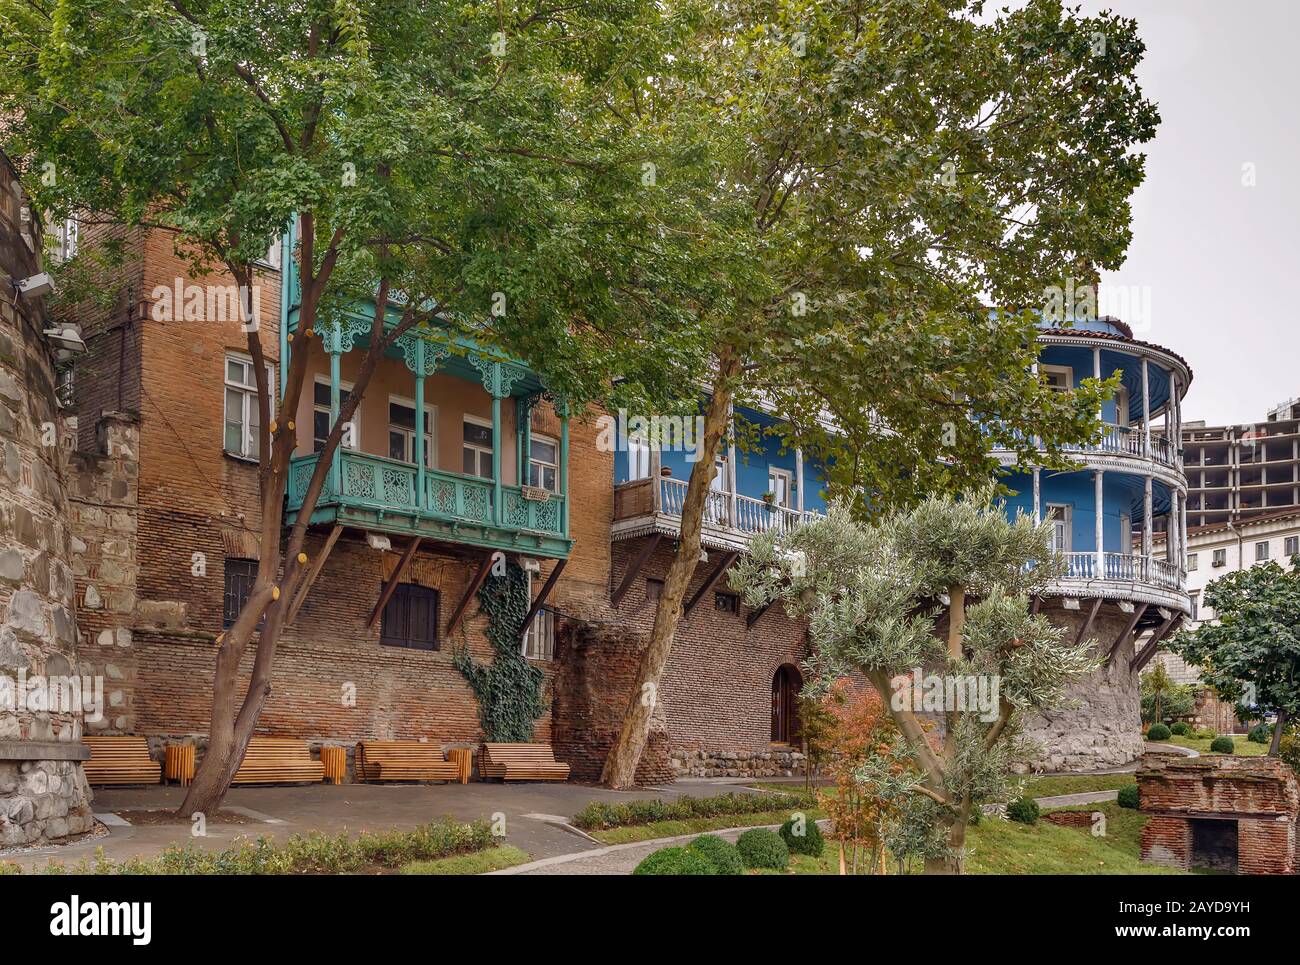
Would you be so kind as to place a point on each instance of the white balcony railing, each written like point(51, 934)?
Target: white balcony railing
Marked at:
point(1131, 441)
point(749, 516)
point(1124, 568)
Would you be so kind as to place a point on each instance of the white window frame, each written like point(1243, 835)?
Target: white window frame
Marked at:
point(1191, 562)
point(1220, 558)
point(1266, 546)
point(1195, 598)
point(69, 238)
point(356, 413)
point(249, 410)
point(482, 424)
point(638, 458)
point(1121, 407)
point(788, 477)
point(549, 440)
point(431, 437)
point(1126, 534)
point(1291, 546)
point(539, 639)
point(1067, 519)
point(1067, 370)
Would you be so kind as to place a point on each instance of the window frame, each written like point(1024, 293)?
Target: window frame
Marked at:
point(1220, 557)
point(250, 440)
point(240, 592)
point(347, 387)
point(474, 420)
point(1290, 546)
point(1067, 370)
point(638, 458)
point(555, 466)
point(400, 604)
point(539, 638)
point(732, 605)
point(1192, 561)
point(658, 584)
point(1264, 546)
point(431, 442)
point(1067, 518)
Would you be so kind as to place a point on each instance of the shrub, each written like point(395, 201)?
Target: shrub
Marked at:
point(675, 861)
point(763, 848)
point(601, 815)
point(1158, 732)
point(1260, 734)
point(1289, 751)
point(723, 855)
point(1223, 745)
point(1024, 810)
point(1204, 734)
point(1180, 728)
point(810, 842)
point(1128, 797)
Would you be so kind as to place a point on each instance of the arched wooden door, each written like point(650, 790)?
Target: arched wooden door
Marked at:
point(786, 684)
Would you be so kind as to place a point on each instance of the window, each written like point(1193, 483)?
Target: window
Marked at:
point(539, 642)
point(1059, 515)
point(1121, 406)
point(63, 245)
point(1220, 558)
point(1191, 562)
point(544, 463)
point(1292, 546)
point(65, 387)
point(401, 431)
point(638, 458)
point(272, 257)
point(476, 451)
point(726, 603)
point(654, 589)
point(240, 575)
point(321, 421)
point(411, 618)
point(1261, 551)
point(1059, 378)
point(1196, 599)
point(779, 484)
point(1126, 534)
point(243, 422)
point(786, 684)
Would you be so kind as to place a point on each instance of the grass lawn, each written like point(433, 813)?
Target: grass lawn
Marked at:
point(997, 847)
point(1244, 748)
point(669, 829)
point(490, 859)
point(1075, 784)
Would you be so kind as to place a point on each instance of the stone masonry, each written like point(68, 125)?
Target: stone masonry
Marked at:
point(43, 791)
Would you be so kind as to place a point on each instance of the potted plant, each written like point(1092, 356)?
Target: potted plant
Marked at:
point(770, 498)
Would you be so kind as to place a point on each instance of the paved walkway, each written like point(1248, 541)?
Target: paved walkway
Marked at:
point(534, 814)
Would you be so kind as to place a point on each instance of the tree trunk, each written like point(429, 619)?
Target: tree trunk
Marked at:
point(625, 755)
point(953, 863)
point(1274, 747)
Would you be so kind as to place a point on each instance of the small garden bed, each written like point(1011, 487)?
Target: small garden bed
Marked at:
point(605, 815)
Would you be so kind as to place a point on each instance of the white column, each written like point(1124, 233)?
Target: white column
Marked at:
point(731, 466)
point(1146, 410)
point(1038, 497)
point(1147, 519)
point(798, 474)
point(1100, 507)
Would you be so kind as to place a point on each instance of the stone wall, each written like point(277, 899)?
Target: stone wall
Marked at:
point(43, 792)
point(1100, 726)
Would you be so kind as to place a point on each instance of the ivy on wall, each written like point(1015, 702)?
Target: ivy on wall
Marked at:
point(509, 690)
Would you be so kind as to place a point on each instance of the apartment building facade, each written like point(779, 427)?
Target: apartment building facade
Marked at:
point(1239, 472)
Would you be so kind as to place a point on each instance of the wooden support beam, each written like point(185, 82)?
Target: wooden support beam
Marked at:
point(313, 571)
point(1087, 626)
point(650, 545)
point(1036, 606)
point(484, 568)
point(1138, 613)
point(711, 582)
point(541, 598)
point(1140, 660)
point(756, 615)
point(391, 586)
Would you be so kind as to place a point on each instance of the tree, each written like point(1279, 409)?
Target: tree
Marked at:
point(438, 160)
point(931, 605)
point(1250, 654)
point(1162, 698)
point(872, 175)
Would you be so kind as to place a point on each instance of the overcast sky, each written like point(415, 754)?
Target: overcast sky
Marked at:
point(1218, 261)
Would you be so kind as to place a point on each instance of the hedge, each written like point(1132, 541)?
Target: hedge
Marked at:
point(603, 815)
point(675, 861)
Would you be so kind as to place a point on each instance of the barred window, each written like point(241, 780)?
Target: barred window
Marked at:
point(240, 575)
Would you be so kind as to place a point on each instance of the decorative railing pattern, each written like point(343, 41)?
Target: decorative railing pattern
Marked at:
point(1129, 441)
point(1124, 568)
point(374, 482)
point(749, 516)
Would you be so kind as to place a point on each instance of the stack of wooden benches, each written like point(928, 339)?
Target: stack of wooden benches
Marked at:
point(279, 760)
point(403, 761)
point(521, 762)
point(120, 760)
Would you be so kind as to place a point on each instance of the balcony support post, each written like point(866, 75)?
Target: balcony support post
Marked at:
point(1038, 495)
point(1100, 525)
point(336, 472)
point(1146, 410)
point(419, 424)
point(1146, 520)
point(564, 466)
point(798, 472)
point(732, 519)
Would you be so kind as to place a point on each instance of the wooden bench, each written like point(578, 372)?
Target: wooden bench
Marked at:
point(521, 762)
point(278, 760)
point(120, 760)
point(403, 761)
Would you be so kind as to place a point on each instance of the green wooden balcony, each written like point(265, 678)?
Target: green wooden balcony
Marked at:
point(372, 492)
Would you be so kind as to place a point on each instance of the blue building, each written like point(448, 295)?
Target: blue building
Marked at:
point(1104, 512)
